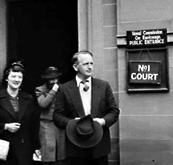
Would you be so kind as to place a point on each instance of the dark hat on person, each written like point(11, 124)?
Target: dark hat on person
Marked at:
point(17, 63)
point(51, 72)
point(85, 132)
point(17, 66)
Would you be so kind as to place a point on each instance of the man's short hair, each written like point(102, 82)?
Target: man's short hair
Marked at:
point(75, 56)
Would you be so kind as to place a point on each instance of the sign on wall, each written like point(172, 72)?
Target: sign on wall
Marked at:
point(146, 38)
point(147, 69)
point(145, 72)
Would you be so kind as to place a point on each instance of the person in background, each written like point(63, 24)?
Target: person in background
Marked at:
point(51, 137)
point(86, 100)
point(18, 117)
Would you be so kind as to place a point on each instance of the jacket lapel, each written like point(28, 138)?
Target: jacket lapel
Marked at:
point(95, 97)
point(23, 103)
point(76, 98)
point(6, 104)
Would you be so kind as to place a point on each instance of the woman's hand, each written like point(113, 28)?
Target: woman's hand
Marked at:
point(37, 155)
point(12, 127)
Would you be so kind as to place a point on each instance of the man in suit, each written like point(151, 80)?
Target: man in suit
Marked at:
point(84, 96)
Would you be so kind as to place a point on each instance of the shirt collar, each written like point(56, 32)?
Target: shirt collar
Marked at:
point(78, 80)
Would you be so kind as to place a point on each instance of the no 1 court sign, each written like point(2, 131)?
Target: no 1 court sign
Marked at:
point(145, 72)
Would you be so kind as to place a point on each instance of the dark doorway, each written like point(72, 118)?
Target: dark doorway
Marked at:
point(42, 33)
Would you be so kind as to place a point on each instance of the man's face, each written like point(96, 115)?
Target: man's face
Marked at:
point(50, 83)
point(84, 67)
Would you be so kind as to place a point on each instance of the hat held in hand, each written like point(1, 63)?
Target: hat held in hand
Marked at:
point(51, 73)
point(84, 132)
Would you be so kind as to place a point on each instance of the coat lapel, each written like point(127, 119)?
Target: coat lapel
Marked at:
point(6, 104)
point(95, 97)
point(76, 98)
point(8, 107)
point(23, 103)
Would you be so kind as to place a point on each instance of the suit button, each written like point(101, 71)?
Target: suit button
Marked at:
point(22, 141)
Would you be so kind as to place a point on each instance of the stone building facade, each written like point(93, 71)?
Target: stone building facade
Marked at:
point(143, 134)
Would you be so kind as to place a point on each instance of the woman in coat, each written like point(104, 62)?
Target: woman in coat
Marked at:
point(19, 122)
point(52, 139)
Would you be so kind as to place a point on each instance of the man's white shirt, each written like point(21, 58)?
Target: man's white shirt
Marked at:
point(85, 95)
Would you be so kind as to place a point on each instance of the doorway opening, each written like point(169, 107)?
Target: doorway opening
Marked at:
point(42, 33)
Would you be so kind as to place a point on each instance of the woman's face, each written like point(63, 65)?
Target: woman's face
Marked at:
point(14, 79)
point(50, 83)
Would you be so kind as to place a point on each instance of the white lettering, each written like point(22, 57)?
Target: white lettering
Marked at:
point(143, 68)
point(136, 33)
point(133, 76)
point(144, 76)
point(139, 42)
point(161, 41)
point(137, 38)
point(157, 37)
point(152, 32)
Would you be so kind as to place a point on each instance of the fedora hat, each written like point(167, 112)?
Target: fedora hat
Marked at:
point(51, 72)
point(84, 132)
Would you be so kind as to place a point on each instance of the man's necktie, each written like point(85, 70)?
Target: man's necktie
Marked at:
point(86, 87)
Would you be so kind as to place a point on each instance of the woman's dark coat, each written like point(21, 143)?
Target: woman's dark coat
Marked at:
point(25, 141)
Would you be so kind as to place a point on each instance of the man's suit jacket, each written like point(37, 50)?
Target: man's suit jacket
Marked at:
point(25, 140)
point(103, 105)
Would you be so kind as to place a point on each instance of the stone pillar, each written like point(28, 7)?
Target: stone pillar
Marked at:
point(3, 39)
point(97, 25)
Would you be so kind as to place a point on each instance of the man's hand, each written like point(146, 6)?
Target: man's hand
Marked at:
point(101, 121)
point(77, 118)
